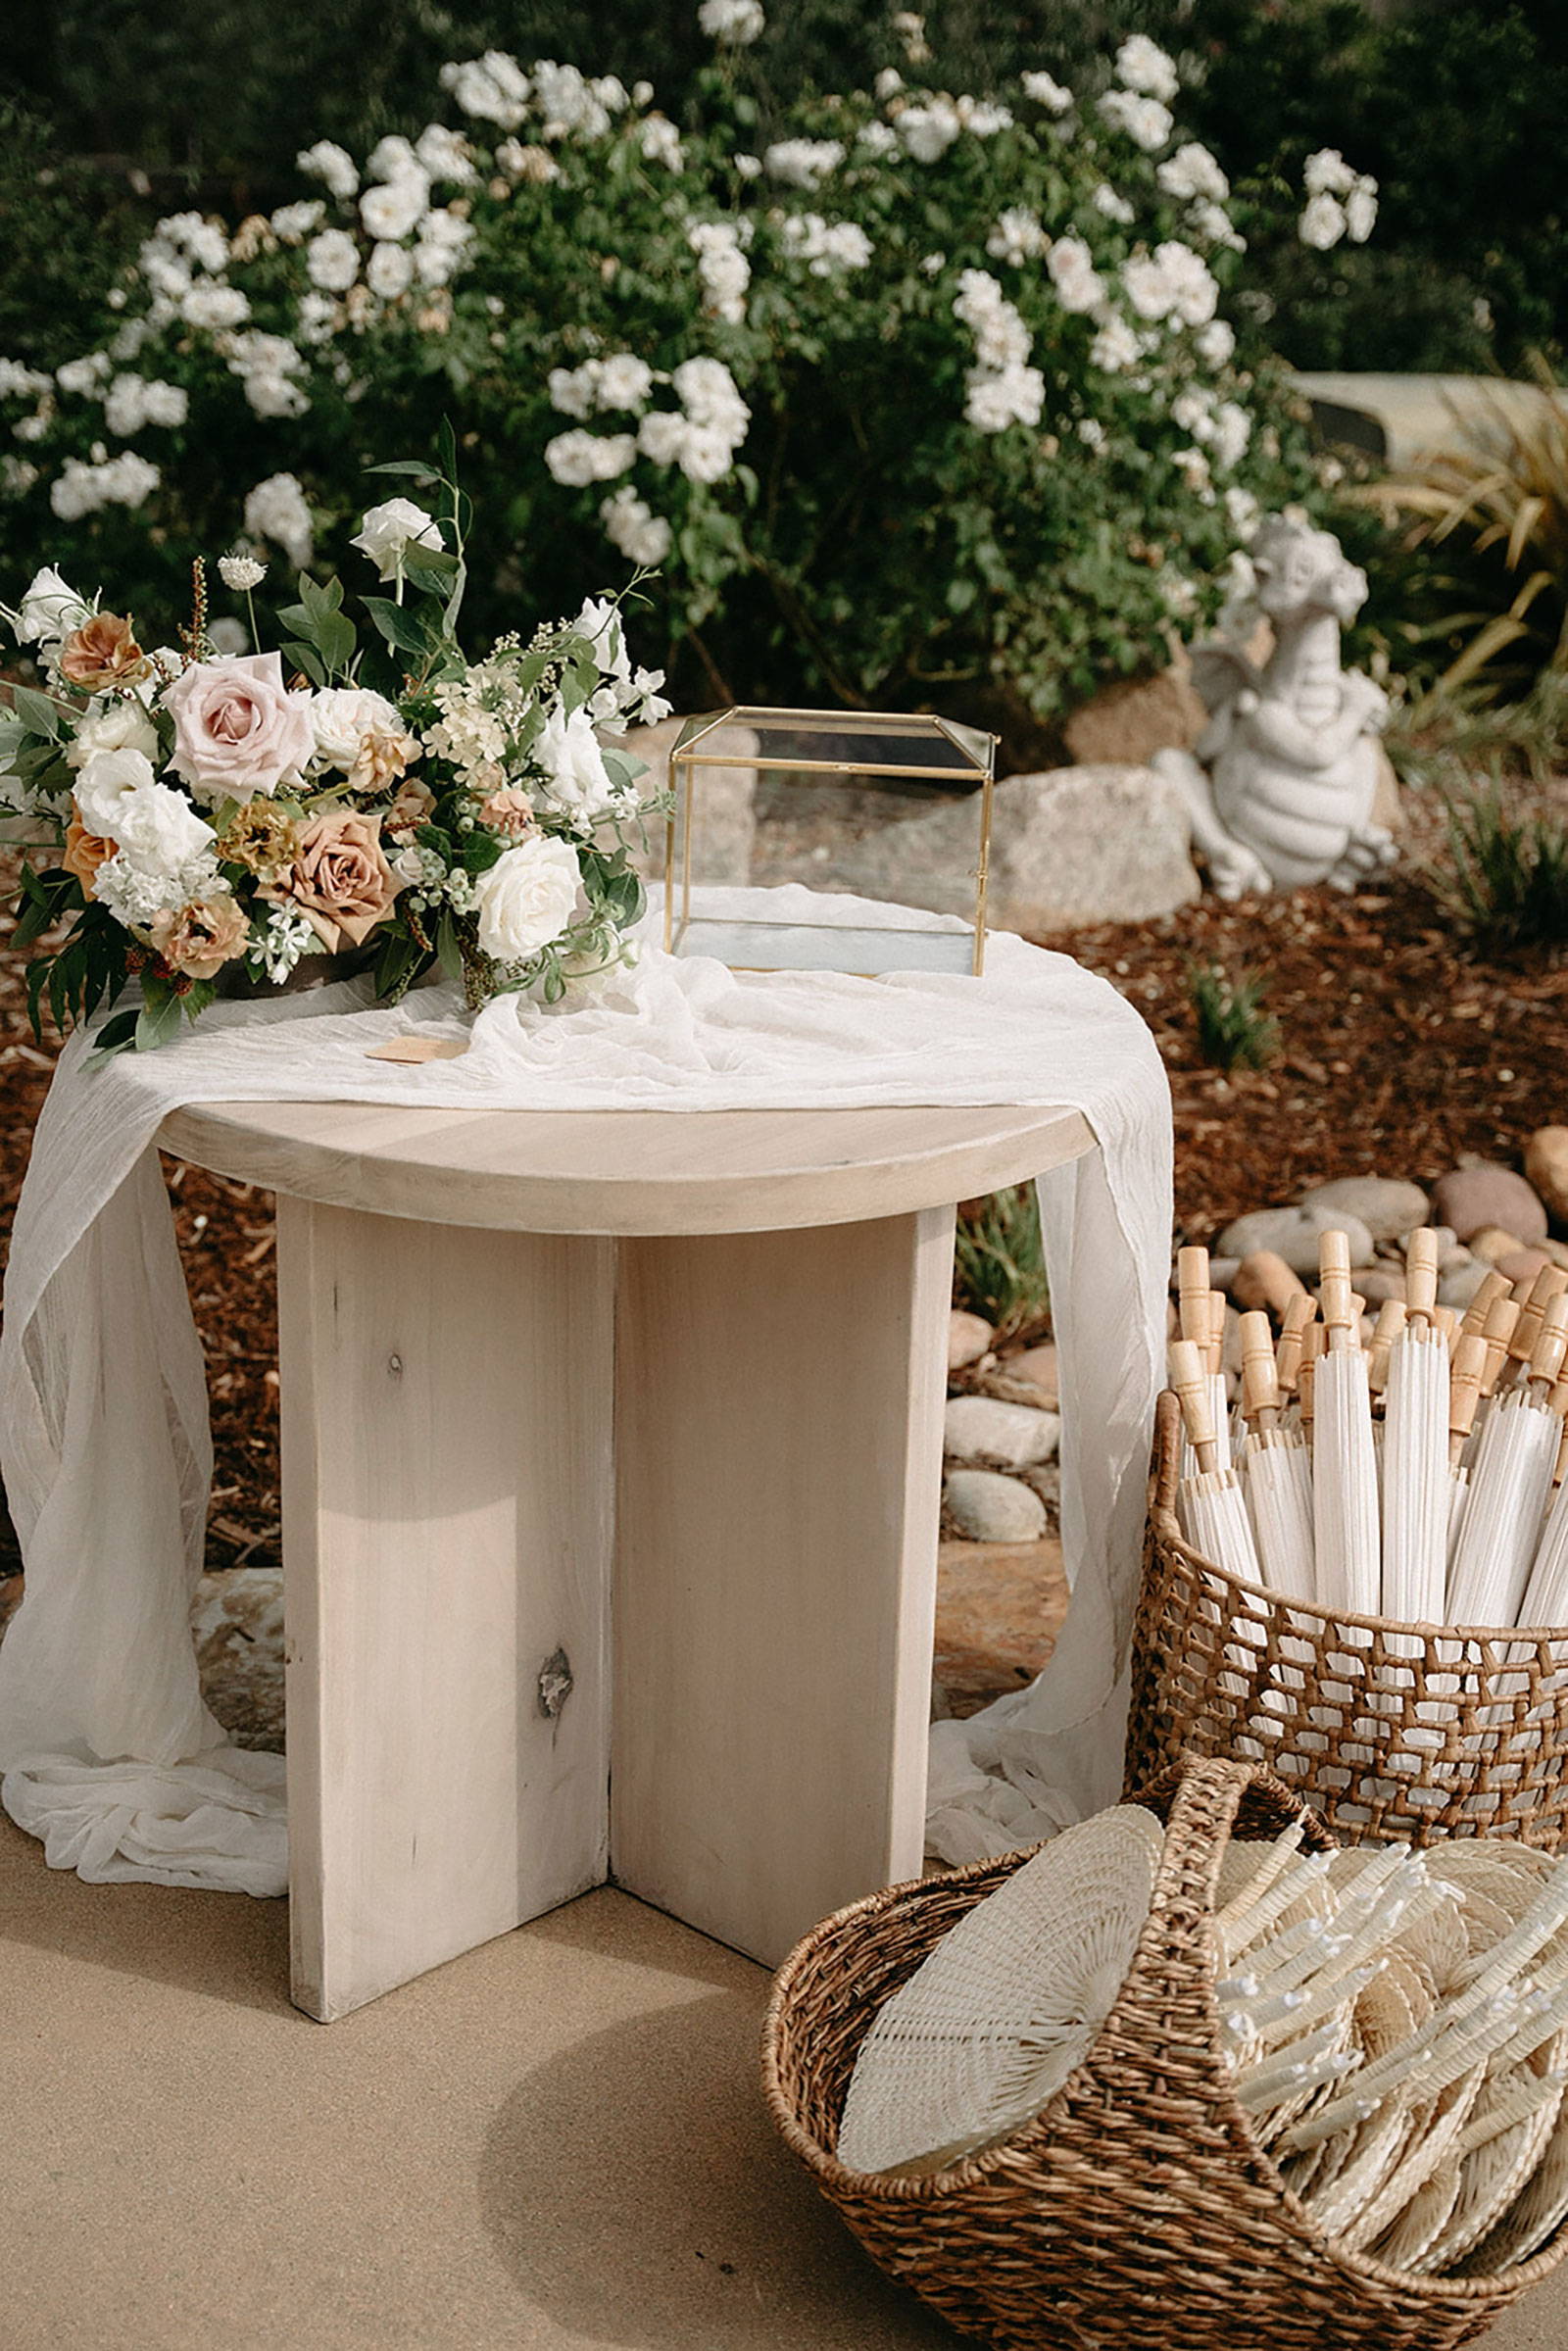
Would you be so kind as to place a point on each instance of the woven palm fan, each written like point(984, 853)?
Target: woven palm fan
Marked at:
point(1276, 1471)
point(1416, 1482)
point(1347, 1541)
point(988, 2030)
point(1510, 1483)
point(1536, 2213)
point(1212, 1505)
point(1498, 2151)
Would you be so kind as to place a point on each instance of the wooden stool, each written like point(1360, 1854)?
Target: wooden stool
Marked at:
point(612, 1450)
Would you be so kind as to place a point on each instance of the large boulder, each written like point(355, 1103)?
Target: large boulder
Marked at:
point(726, 825)
point(1074, 847)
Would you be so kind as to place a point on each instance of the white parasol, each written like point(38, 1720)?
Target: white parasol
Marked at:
point(1276, 1471)
point(1416, 1481)
point(1511, 1484)
point(1344, 1476)
point(1212, 1505)
point(1201, 1313)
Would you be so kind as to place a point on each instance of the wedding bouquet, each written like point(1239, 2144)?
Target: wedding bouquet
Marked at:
point(209, 817)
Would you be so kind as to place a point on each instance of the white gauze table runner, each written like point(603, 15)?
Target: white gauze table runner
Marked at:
point(107, 1750)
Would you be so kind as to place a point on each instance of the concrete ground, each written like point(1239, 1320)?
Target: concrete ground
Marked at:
point(556, 2141)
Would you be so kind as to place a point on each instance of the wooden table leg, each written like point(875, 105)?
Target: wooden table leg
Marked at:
point(448, 1486)
point(779, 1458)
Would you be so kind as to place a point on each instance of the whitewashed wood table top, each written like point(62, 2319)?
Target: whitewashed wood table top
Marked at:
point(626, 1171)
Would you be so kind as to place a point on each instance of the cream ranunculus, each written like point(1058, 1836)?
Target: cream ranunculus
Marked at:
point(568, 750)
point(343, 715)
point(527, 898)
point(237, 730)
point(116, 722)
point(387, 530)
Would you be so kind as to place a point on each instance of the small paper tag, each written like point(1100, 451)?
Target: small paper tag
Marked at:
point(417, 1048)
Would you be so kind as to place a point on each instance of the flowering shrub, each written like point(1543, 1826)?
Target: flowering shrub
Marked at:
point(199, 817)
point(932, 395)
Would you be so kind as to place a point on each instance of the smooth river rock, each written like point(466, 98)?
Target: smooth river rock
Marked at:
point(1294, 1233)
point(982, 1428)
point(1471, 1198)
point(1073, 847)
point(990, 1509)
point(1386, 1207)
point(1546, 1167)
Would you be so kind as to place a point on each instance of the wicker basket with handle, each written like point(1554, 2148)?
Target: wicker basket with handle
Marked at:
point(1393, 1731)
point(1136, 2212)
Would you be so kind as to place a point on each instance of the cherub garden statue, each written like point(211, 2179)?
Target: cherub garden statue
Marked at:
point(1284, 774)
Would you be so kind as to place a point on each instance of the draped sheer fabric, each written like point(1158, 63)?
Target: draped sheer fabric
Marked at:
point(107, 1751)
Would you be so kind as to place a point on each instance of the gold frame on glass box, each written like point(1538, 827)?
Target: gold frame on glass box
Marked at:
point(864, 747)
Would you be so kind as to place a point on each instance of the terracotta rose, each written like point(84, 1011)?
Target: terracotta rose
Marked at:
point(84, 853)
point(340, 879)
point(102, 652)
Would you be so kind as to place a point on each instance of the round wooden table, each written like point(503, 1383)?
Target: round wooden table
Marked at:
point(611, 1460)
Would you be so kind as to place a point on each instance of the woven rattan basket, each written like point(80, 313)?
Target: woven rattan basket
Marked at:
point(1412, 1731)
point(1136, 2212)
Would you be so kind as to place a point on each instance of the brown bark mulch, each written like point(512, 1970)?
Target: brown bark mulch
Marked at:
point(1400, 1052)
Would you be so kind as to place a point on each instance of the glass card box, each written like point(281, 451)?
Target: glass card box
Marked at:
point(922, 759)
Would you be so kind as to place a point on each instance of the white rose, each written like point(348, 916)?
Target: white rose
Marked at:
point(48, 609)
point(387, 530)
point(399, 205)
point(113, 723)
point(105, 781)
point(567, 750)
point(390, 272)
point(332, 261)
point(157, 830)
point(527, 898)
point(343, 715)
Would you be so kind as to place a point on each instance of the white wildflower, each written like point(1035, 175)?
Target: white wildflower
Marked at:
point(332, 261)
point(292, 224)
point(632, 526)
point(1017, 236)
point(733, 24)
point(84, 378)
point(493, 89)
point(1142, 65)
point(332, 164)
point(1327, 174)
point(1146, 122)
point(393, 207)
point(389, 271)
point(723, 268)
point(276, 510)
point(1215, 342)
point(1361, 210)
point(1046, 93)
point(660, 141)
point(1191, 172)
point(1322, 222)
point(1115, 346)
point(241, 572)
point(996, 397)
point(1172, 283)
point(81, 489)
point(803, 162)
point(214, 308)
point(827, 246)
point(578, 458)
point(1071, 270)
point(1113, 207)
point(929, 130)
point(443, 154)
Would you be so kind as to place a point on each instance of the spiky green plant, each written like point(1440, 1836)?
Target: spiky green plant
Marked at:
point(1506, 881)
point(999, 1262)
point(1234, 1031)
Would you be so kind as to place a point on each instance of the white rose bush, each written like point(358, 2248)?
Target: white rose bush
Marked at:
point(914, 397)
point(204, 822)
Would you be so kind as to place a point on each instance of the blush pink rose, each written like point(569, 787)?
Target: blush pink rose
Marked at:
point(237, 730)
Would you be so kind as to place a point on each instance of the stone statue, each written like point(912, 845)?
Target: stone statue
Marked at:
point(1286, 772)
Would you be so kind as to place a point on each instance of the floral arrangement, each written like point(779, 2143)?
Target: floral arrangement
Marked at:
point(923, 395)
point(213, 818)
